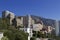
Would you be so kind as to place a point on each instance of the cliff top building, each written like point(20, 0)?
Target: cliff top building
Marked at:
point(30, 20)
point(9, 15)
point(6, 13)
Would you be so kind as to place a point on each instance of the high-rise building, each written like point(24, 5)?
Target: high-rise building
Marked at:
point(57, 28)
point(19, 21)
point(5, 14)
point(9, 15)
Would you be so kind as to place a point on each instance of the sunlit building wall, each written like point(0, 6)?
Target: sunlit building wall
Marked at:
point(57, 28)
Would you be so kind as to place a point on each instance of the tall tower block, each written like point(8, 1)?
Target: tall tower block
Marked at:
point(5, 14)
point(57, 27)
point(9, 15)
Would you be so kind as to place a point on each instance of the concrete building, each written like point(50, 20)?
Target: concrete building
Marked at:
point(5, 14)
point(57, 28)
point(9, 15)
point(37, 27)
point(19, 21)
point(50, 29)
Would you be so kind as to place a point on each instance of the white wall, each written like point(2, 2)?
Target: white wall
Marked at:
point(57, 28)
point(1, 35)
point(37, 27)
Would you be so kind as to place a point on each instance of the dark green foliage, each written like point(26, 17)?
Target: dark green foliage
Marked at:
point(11, 32)
point(4, 38)
point(34, 33)
point(32, 38)
point(57, 37)
point(4, 23)
point(38, 34)
point(16, 35)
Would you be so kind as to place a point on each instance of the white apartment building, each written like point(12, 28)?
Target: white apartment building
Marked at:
point(37, 27)
point(57, 27)
point(9, 15)
point(5, 14)
point(19, 21)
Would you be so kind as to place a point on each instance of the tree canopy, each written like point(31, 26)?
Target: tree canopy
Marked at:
point(11, 32)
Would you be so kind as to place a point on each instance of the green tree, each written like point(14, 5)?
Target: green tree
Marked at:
point(11, 32)
point(32, 38)
point(4, 38)
point(16, 35)
point(4, 23)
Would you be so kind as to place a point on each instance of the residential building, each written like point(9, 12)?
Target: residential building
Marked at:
point(9, 15)
point(57, 28)
point(37, 27)
point(5, 14)
point(32, 22)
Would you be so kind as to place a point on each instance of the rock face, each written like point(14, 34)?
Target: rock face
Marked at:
point(47, 22)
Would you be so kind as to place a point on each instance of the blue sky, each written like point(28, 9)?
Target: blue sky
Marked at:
point(45, 8)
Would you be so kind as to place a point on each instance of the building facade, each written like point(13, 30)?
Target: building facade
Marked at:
point(31, 21)
point(9, 15)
